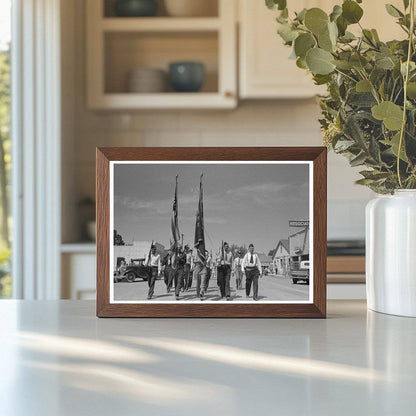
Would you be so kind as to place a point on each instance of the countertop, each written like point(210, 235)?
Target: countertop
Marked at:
point(57, 358)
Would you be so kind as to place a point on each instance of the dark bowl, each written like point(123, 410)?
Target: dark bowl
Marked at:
point(186, 76)
point(136, 8)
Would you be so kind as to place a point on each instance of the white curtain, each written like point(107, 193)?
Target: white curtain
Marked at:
point(36, 148)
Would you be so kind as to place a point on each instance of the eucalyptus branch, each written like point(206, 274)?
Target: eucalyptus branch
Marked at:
point(406, 80)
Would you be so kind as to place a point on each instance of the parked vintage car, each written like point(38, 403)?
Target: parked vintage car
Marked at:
point(132, 272)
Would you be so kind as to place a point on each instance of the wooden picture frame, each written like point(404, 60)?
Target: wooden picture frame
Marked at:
point(315, 308)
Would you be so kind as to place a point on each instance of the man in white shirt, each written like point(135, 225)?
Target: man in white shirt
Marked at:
point(251, 266)
point(152, 261)
point(224, 262)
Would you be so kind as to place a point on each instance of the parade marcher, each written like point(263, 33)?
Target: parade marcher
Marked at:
point(209, 266)
point(188, 264)
point(169, 272)
point(251, 266)
point(224, 263)
point(238, 273)
point(200, 270)
point(180, 272)
point(153, 261)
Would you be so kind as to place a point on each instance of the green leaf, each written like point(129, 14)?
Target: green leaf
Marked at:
point(336, 12)
point(303, 43)
point(319, 61)
point(375, 35)
point(411, 90)
point(343, 65)
point(358, 160)
point(276, 4)
point(325, 43)
point(406, 4)
point(301, 63)
point(321, 79)
point(391, 114)
point(394, 145)
point(316, 20)
point(393, 11)
point(351, 11)
point(342, 25)
point(363, 86)
point(385, 63)
point(286, 32)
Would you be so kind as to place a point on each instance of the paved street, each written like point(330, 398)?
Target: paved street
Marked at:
point(271, 288)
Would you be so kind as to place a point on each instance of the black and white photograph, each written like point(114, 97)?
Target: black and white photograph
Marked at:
point(211, 232)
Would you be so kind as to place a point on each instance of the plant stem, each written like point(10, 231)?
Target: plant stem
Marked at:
point(406, 80)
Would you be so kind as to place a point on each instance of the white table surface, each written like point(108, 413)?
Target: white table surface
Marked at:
point(56, 358)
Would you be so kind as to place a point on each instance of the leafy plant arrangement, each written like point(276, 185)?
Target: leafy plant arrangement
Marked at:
point(369, 113)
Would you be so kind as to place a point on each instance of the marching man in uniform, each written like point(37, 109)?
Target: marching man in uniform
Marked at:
point(224, 263)
point(200, 269)
point(153, 261)
point(252, 267)
point(238, 273)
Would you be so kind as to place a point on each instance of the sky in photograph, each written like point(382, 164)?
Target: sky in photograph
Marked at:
point(243, 203)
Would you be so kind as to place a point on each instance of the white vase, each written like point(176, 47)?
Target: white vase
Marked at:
point(391, 253)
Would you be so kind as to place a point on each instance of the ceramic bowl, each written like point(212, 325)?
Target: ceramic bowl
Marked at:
point(186, 76)
point(136, 8)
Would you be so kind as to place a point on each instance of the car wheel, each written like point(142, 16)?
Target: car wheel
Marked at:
point(294, 281)
point(131, 277)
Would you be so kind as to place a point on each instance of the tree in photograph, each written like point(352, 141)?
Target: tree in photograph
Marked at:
point(118, 239)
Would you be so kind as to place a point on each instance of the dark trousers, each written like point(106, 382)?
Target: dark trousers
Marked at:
point(208, 276)
point(169, 277)
point(224, 274)
point(188, 276)
point(252, 276)
point(151, 281)
point(179, 280)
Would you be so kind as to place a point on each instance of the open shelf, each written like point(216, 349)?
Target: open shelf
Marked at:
point(160, 24)
point(116, 46)
point(127, 51)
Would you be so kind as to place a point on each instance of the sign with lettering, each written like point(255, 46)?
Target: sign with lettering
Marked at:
point(298, 223)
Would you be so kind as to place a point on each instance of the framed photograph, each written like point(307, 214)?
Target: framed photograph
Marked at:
point(211, 232)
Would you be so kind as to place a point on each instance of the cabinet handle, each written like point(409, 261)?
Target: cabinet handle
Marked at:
point(228, 94)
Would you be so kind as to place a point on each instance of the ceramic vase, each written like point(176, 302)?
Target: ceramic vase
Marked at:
point(391, 253)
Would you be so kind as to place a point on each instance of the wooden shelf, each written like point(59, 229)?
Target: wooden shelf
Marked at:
point(346, 264)
point(81, 247)
point(159, 24)
point(163, 101)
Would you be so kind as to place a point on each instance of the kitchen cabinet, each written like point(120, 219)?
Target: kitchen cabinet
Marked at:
point(116, 46)
point(265, 70)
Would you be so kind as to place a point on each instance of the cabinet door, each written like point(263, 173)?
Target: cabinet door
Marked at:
point(265, 68)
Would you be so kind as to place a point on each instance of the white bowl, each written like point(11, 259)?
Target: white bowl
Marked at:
point(191, 8)
point(146, 80)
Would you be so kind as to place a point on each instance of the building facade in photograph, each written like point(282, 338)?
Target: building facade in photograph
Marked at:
point(281, 258)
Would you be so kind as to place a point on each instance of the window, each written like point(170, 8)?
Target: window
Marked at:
point(5, 147)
